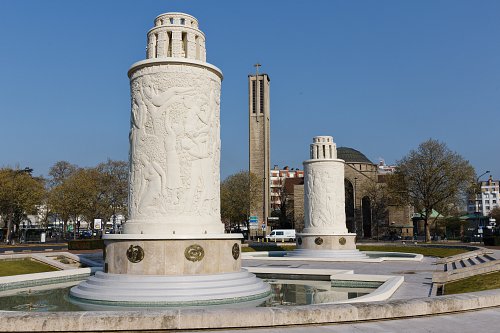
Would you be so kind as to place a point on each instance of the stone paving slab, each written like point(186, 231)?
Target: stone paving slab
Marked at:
point(417, 275)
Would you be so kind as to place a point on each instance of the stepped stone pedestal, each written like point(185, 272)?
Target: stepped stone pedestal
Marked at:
point(325, 233)
point(173, 250)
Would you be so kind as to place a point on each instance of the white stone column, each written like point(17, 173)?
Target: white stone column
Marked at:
point(325, 232)
point(174, 140)
point(173, 250)
point(324, 203)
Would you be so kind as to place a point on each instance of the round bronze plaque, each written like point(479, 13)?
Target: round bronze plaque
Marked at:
point(318, 241)
point(236, 251)
point(194, 253)
point(342, 241)
point(299, 241)
point(135, 253)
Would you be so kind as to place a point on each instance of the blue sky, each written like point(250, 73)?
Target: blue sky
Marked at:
point(379, 76)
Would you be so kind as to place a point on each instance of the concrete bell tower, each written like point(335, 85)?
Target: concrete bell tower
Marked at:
point(259, 147)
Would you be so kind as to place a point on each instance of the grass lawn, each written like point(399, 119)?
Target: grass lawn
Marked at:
point(23, 266)
point(474, 283)
point(426, 251)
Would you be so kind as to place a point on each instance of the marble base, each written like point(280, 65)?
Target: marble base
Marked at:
point(320, 245)
point(170, 291)
point(143, 270)
point(182, 256)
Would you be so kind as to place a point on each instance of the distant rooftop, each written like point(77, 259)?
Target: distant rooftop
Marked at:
point(350, 155)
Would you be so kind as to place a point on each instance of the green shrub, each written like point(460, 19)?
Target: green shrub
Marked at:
point(86, 244)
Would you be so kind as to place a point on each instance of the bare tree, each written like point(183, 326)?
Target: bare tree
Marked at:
point(432, 177)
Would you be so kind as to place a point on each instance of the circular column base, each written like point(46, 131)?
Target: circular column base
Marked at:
point(327, 246)
point(124, 290)
point(143, 255)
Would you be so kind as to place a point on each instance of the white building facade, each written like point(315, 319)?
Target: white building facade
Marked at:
point(487, 199)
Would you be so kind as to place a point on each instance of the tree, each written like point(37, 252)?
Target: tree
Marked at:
point(70, 199)
point(379, 204)
point(432, 177)
point(91, 193)
point(20, 194)
point(114, 185)
point(238, 193)
point(60, 171)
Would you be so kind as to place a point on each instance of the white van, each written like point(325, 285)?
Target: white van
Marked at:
point(279, 235)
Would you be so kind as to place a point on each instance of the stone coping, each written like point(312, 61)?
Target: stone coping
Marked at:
point(266, 255)
point(169, 236)
point(105, 321)
point(45, 278)
point(386, 284)
point(172, 60)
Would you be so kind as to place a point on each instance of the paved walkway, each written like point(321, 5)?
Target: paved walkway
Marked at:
point(418, 275)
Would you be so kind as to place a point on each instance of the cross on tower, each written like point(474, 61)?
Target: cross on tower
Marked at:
point(257, 65)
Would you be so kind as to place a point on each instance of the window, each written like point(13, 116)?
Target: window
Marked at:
point(254, 106)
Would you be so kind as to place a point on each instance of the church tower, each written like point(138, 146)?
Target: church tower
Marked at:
point(260, 142)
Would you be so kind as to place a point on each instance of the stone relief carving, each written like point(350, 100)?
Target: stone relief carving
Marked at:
point(174, 143)
point(235, 251)
point(135, 254)
point(321, 198)
point(194, 253)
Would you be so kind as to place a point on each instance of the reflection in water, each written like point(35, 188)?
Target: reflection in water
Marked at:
point(304, 292)
point(284, 293)
point(39, 301)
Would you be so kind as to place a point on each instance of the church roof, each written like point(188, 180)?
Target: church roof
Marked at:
point(350, 155)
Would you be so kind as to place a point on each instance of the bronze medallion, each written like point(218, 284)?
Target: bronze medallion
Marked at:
point(135, 253)
point(318, 241)
point(194, 253)
point(236, 251)
point(342, 241)
point(299, 241)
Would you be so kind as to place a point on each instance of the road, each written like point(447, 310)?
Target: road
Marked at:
point(7, 249)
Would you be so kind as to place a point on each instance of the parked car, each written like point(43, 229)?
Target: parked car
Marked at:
point(86, 234)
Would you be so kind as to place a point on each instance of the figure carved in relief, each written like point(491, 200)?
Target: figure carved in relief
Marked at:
point(310, 201)
point(321, 214)
point(196, 144)
point(158, 172)
point(151, 189)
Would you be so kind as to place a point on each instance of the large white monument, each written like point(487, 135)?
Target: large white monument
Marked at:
point(173, 250)
point(325, 233)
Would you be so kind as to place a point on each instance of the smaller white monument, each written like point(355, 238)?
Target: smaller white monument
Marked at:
point(325, 233)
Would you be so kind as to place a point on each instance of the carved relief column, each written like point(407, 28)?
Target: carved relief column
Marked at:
point(325, 233)
point(323, 174)
point(175, 143)
point(173, 249)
